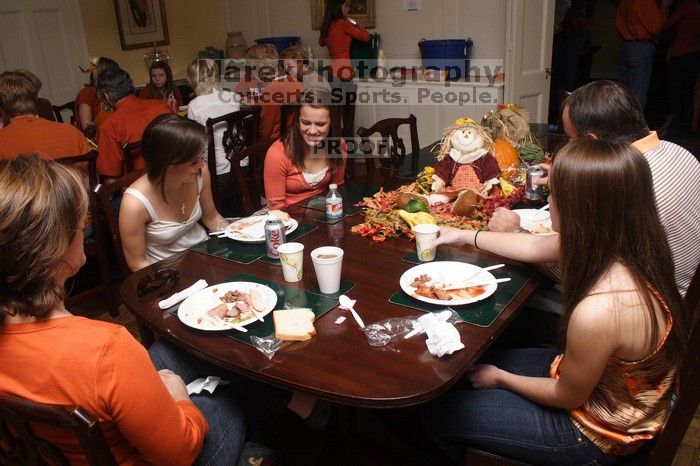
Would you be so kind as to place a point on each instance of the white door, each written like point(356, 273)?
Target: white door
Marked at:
point(47, 38)
point(529, 32)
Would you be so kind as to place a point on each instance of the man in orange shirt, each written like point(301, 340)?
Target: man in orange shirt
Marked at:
point(25, 131)
point(127, 122)
point(638, 22)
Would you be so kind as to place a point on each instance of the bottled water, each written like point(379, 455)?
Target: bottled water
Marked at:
point(334, 203)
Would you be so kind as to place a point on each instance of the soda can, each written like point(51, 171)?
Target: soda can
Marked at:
point(531, 191)
point(275, 234)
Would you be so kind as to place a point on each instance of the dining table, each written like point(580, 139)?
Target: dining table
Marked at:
point(338, 364)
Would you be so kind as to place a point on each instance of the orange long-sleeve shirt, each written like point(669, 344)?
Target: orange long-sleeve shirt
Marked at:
point(99, 366)
point(640, 19)
point(284, 182)
point(340, 35)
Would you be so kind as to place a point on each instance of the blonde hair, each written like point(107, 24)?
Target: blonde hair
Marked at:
point(266, 60)
point(295, 52)
point(42, 205)
point(203, 75)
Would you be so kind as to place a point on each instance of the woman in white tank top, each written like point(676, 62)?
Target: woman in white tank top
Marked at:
point(160, 210)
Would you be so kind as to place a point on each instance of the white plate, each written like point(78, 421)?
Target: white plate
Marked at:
point(199, 303)
point(448, 272)
point(232, 232)
point(534, 221)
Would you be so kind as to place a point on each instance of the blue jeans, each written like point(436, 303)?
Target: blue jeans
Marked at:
point(635, 68)
point(504, 423)
point(222, 410)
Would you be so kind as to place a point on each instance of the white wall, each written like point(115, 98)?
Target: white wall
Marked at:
point(482, 20)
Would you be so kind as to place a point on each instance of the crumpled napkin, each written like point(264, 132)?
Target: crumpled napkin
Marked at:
point(184, 294)
point(209, 384)
point(443, 337)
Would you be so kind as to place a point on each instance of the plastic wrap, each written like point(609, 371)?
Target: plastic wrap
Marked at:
point(387, 331)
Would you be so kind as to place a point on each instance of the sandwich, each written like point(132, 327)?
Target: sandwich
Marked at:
point(284, 216)
point(294, 324)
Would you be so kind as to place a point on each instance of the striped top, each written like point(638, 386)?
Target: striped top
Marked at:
point(676, 176)
point(631, 402)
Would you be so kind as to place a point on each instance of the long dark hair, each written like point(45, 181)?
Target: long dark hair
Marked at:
point(169, 87)
point(334, 10)
point(604, 194)
point(294, 143)
point(607, 110)
point(170, 140)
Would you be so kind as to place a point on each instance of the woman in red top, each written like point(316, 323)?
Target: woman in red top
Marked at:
point(337, 32)
point(161, 86)
point(308, 158)
point(87, 103)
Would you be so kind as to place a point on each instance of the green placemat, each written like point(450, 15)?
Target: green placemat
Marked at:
point(344, 288)
point(481, 313)
point(287, 296)
point(322, 218)
point(352, 193)
point(245, 253)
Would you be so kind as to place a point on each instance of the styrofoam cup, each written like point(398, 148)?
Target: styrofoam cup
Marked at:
point(328, 264)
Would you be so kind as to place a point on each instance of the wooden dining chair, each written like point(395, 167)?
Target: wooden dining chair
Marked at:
point(131, 150)
point(249, 189)
point(70, 106)
point(393, 153)
point(239, 132)
point(104, 193)
point(94, 245)
point(662, 450)
point(19, 444)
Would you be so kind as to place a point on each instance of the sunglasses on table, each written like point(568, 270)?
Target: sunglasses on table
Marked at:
point(149, 284)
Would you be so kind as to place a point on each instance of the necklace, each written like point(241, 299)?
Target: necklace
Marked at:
point(183, 208)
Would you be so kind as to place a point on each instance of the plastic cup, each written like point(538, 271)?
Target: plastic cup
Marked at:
point(292, 260)
point(425, 233)
point(328, 263)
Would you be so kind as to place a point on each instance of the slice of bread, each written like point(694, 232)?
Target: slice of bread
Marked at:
point(284, 216)
point(294, 324)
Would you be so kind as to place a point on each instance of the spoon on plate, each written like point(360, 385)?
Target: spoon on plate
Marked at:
point(347, 303)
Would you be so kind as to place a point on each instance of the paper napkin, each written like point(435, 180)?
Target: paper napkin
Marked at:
point(209, 384)
point(443, 337)
point(184, 294)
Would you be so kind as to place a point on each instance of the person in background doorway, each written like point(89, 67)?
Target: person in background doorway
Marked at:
point(337, 32)
point(684, 25)
point(639, 22)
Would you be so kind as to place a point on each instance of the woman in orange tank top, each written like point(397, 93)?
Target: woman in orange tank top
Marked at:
point(623, 329)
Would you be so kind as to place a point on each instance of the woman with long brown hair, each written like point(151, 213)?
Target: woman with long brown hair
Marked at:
point(161, 86)
point(623, 330)
point(309, 157)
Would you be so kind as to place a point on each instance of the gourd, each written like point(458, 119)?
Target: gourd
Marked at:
point(505, 154)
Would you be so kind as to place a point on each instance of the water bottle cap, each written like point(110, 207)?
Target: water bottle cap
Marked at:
point(333, 186)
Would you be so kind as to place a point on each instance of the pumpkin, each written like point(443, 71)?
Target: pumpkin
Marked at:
point(505, 154)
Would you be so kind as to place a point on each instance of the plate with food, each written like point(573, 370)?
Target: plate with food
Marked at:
point(537, 222)
point(443, 283)
point(227, 305)
point(252, 229)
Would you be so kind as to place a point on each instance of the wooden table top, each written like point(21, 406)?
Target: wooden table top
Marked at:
point(337, 364)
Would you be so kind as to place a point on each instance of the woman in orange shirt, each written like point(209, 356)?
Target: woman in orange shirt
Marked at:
point(308, 158)
point(337, 32)
point(161, 86)
point(52, 356)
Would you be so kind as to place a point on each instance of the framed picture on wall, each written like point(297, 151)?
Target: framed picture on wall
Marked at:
point(360, 10)
point(142, 23)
